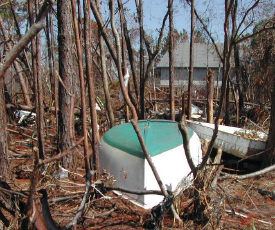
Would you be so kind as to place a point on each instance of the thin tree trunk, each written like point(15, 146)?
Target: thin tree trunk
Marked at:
point(227, 104)
point(50, 55)
point(82, 87)
point(171, 60)
point(118, 63)
point(92, 95)
point(39, 100)
point(139, 5)
point(238, 79)
point(36, 70)
point(56, 82)
point(130, 50)
point(105, 82)
point(4, 162)
point(115, 53)
point(210, 95)
point(191, 60)
point(269, 156)
point(124, 65)
point(66, 70)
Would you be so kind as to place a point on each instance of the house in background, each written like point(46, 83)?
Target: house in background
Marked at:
point(205, 58)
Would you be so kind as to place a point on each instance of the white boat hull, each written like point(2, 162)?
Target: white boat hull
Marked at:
point(228, 140)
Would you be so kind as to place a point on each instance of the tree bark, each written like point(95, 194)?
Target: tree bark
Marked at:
point(171, 60)
point(40, 103)
point(50, 54)
point(191, 60)
point(105, 82)
point(130, 50)
point(139, 6)
point(269, 156)
point(66, 72)
point(91, 87)
point(4, 162)
point(82, 87)
point(119, 65)
point(210, 95)
point(124, 65)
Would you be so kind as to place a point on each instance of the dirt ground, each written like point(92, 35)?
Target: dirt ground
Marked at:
point(230, 204)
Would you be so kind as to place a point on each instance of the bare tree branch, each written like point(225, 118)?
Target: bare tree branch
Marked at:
point(255, 33)
point(244, 17)
point(250, 175)
point(63, 154)
point(25, 40)
point(150, 162)
point(209, 35)
point(83, 202)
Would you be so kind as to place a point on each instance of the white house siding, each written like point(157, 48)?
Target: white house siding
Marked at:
point(182, 76)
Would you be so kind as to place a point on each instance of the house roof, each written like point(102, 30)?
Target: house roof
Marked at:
point(204, 55)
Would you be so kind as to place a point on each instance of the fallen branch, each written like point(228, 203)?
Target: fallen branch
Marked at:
point(83, 202)
point(13, 192)
point(245, 216)
point(258, 173)
point(61, 155)
point(28, 136)
point(18, 106)
point(137, 192)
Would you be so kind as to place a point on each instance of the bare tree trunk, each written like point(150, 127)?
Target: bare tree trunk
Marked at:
point(119, 65)
point(4, 162)
point(269, 156)
point(105, 82)
point(66, 70)
point(124, 65)
point(82, 87)
point(50, 55)
point(191, 68)
point(55, 81)
point(171, 60)
point(105, 77)
point(130, 50)
point(139, 5)
point(239, 82)
point(227, 104)
point(90, 78)
point(210, 95)
point(39, 100)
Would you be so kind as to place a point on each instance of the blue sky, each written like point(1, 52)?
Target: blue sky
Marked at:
point(154, 11)
point(211, 10)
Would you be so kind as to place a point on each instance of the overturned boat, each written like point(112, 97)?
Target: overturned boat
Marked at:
point(236, 141)
point(121, 155)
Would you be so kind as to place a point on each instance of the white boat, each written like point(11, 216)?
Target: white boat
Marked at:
point(121, 155)
point(233, 140)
